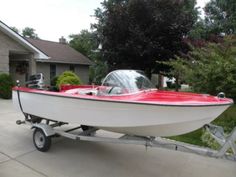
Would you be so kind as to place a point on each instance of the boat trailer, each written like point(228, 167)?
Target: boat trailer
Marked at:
point(45, 130)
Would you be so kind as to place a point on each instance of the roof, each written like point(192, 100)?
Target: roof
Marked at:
point(15, 36)
point(59, 52)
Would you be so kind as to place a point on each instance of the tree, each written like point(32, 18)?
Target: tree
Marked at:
point(210, 69)
point(221, 16)
point(136, 33)
point(178, 70)
point(86, 43)
point(29, 32)
point(15, 29)
point(97, 72)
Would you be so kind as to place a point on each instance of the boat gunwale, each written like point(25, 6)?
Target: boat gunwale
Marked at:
point(40, 92)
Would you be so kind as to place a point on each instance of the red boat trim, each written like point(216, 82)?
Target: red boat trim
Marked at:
point(26, 90)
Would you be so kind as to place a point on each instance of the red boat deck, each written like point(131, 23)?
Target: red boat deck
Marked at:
point(145, 96)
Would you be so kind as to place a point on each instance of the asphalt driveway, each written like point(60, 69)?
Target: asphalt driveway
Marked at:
point(67, 158)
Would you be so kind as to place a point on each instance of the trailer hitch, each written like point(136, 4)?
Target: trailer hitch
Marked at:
point(19, 122)
point(226, 141)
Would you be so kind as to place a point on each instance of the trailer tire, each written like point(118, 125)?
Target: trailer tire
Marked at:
point(41, 141)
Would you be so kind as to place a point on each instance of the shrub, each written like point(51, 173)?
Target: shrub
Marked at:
point(53, 84)
point(171, 85)
point(226, 120)
point(70, 80)
point(68, 77)
point(209, 140)
point(210, 69)
point(54, 81)
point(6, 85)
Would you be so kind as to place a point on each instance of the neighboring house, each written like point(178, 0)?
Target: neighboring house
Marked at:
point(62, 58)
point(22, 57)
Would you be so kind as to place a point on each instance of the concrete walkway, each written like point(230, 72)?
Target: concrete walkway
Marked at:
point(67, 158)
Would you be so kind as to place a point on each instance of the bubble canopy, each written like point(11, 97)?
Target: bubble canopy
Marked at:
point(130, 80)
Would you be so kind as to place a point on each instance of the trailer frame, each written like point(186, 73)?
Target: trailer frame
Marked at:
point(44, 130)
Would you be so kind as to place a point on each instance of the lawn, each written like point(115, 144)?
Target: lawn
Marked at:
point(227, 120)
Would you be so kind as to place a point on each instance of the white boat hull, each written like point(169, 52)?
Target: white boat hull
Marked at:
point(128, 118)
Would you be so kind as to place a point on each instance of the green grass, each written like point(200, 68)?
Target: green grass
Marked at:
point(227, 120)
point(192, 138)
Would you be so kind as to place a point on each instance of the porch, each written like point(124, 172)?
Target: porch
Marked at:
point(21, 66)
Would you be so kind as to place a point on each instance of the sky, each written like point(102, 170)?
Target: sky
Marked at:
point(52, 19)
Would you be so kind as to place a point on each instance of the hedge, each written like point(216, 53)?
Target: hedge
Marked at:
point(6, 84)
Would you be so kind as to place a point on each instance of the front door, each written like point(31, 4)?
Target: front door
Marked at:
point(19, 66)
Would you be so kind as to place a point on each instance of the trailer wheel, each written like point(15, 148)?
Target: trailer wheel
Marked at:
point(41, 141)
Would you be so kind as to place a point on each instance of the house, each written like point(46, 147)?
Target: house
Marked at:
point(21, 57)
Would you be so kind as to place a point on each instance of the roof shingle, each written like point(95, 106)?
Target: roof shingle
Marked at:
point(60, 53)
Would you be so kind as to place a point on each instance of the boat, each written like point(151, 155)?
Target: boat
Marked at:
point(126, 102)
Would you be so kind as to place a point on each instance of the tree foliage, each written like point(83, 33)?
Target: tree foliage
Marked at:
point(210, 69)
point(15, 29)
point(220, 20)
point(29, 32)
point(221, 16)
point(178, 70)
point(86, 43)
point(136, 33)
point(98, 72)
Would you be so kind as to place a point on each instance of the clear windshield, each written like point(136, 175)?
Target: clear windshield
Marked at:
point(128, 80)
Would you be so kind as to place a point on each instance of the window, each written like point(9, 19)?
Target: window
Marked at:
point(52, 71)
point(72, 68)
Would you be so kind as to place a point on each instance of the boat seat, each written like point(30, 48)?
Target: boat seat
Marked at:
point(82, 91)
point(108, 91)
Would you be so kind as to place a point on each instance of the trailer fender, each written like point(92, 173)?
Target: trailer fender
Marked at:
point(47, 129)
